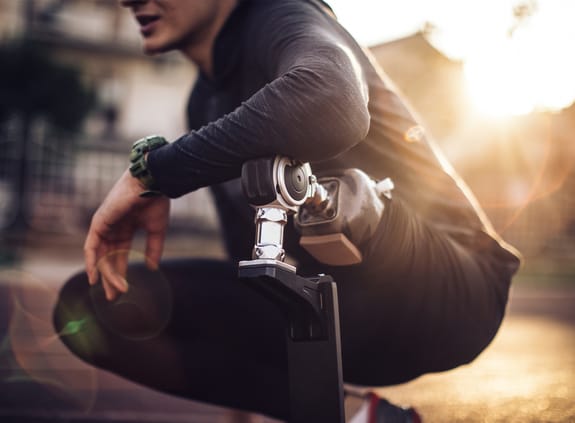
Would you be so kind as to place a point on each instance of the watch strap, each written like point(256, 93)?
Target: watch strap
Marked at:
point(139, 166)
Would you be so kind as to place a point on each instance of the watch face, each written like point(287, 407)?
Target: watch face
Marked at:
point(143, 145)
point(139, 167)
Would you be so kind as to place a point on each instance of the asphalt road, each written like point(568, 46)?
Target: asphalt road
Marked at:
point(526, 375)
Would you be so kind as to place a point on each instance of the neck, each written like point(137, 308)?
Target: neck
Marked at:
point(200, 51)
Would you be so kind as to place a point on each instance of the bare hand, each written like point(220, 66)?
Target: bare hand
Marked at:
point(112, 230)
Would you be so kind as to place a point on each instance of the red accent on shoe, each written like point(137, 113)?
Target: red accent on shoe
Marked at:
point(373, 403)
point(416, 418)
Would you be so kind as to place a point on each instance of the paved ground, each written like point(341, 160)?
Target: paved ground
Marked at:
point(526, 375)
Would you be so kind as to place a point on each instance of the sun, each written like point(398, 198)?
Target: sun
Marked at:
point(528, 70)
point(500, 82)
point(518, 63)
point(517, 54)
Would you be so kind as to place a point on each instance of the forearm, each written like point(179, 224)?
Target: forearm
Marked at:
point(315, 110)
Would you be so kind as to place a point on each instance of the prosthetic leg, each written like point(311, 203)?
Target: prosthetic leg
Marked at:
point(331, 226)
point(277, 187)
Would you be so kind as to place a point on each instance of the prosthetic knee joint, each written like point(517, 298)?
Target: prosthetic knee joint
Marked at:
point(334, 215)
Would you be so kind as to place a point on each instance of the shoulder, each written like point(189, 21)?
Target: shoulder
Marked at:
point(269, 17)
point(275, 29)
point(281, 6)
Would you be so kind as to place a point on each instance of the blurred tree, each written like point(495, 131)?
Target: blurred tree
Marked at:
point(34, 86)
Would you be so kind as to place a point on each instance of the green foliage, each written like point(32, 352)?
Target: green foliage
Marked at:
point(33, 85)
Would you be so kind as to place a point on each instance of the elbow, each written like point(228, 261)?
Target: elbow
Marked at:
point(347, 124)
point(343, 120)
point(337, 104)
point(346, 89)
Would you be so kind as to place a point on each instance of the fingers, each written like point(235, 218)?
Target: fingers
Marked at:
point(110, 262)
point(99, 265)
point(121, 256)
point(113, 282)
point(111, 232)
point(91, 258)
point(154, 249)
point(109, 291)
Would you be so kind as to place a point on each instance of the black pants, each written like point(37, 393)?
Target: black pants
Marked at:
point(194, 330)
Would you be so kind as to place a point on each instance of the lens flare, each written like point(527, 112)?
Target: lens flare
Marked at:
point(73, 327)
point(40, 365)
point(144, 310)
point(537, 181)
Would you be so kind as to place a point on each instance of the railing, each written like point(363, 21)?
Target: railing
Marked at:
point(67, 180)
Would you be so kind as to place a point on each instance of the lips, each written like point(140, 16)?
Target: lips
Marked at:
point(147, 23)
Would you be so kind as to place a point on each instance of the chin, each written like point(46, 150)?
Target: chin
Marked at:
point(152, 48)
point(149, 52)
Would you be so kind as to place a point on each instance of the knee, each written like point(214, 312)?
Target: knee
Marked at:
point(75, 322)
point(72, 306)
point(91, 326)
point(475, 323)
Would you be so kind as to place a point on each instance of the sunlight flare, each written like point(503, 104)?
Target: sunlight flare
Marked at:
point(518, 67)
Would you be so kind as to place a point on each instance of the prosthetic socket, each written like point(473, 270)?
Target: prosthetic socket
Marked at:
point(335, 215)
point(334, 229)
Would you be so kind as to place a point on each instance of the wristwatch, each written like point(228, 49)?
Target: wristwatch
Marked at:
point(139, 166)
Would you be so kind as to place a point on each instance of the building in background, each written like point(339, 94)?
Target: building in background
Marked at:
point(136, 96)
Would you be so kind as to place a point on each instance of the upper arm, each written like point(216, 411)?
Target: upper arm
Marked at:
point(309, 102)
point(314, 67)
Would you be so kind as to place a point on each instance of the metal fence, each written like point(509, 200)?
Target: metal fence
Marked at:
point(66, 179)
